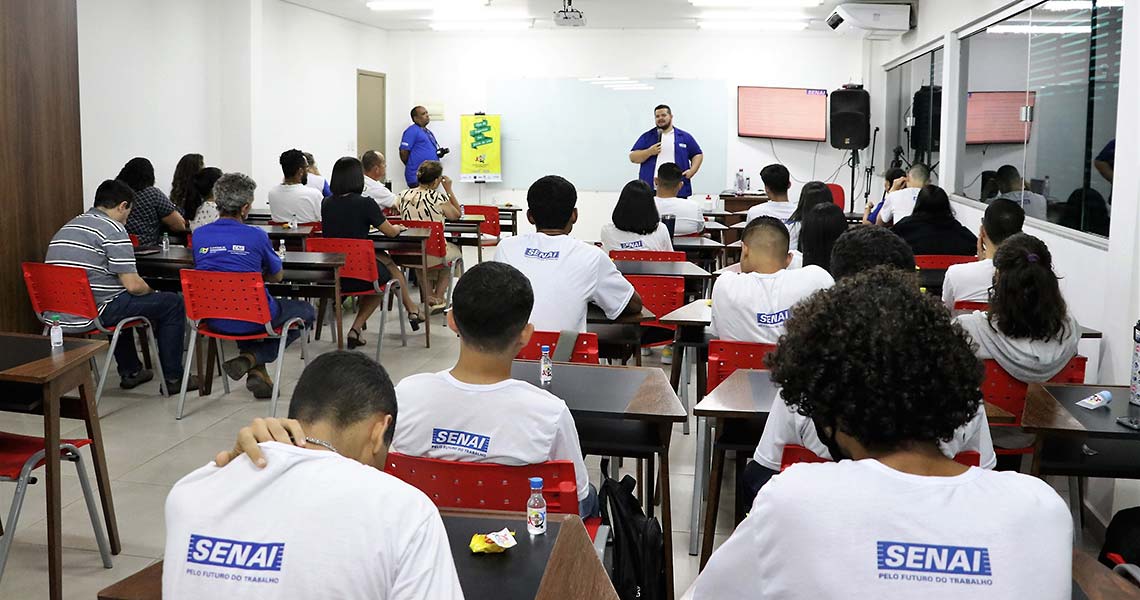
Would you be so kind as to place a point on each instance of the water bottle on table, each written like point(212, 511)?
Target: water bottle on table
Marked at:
point(165, 242)
point(281, 249)
point(292, 221)
point(536, 508)
point(545, 368)
point(56, 333)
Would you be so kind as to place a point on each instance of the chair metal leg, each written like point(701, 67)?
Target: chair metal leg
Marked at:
point(186, 374)
point(684, 358)
point(221, 360)
point(156, 361)
point(383, 319)
point(107, 365)
point(92, 510)
point(277, 375)
point(456, 266)
point(1076, 505)
point(13, 517)
point(403, 317)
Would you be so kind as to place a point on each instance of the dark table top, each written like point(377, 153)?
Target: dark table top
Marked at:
point(415, 234)
point(689, 244)
point(180, 256)
point(715, 226)
point(617, 392)
point(716, 214)
point(510, 209)
point(758, 196)
point(697, 313)
point(514, 574)
point(746, 393)
point(667, 269)
point(31, 359)
point(1052, 409)
point(279, 232)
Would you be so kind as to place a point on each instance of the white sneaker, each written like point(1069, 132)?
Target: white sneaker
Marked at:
point(647, 351)
point(666, 356)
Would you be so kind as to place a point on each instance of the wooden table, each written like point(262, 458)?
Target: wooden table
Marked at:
point(257, 217)
point(466, 232)
point(294, 236)
point(718, 215)
point(621, 411)
point(684, 269)
point(707, 251)
point(595, 316)
point(715, 230)
point(33, 379)
point(509, 218)
point(409, 249)
point(559, 564)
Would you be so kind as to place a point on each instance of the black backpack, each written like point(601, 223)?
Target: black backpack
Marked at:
point(639, 546)
point(1122, 537)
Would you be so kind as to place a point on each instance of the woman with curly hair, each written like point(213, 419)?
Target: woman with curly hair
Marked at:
point(886, 378)
point(182, 185)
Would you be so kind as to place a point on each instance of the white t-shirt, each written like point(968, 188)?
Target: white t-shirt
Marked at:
point(753, 307)
point(688, 213)
point(668, 148)
point(294, 200)
point(781, 210)
point(898, 205)
point(379, 192)
point(968, 282)
point(311, 524)
point(617, 239)
point(317, 182)
point(859, 529)
point(507, 423)
point(1035, 204)
point(786, 426)
point(566, 275)
point(794, 235)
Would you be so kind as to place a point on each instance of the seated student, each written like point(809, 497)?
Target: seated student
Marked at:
point(865, 247)
point(932, 228)
point(322, 519)
point(890, 176)
point(753, 305)
point(812, 194)
point(777, 181)
point(566, 274)
point(313, 177)
point(1012, 187)
point(348, 214)
point(822, 226)
point(896, 518)
point(971, 282)
point(428, 202)
point(669, 182)
point(200, 207)
point(375, 171)
point(151, 212)
point(228, 245)
point(97, 242)
point(636, 224)
point(292, 199)
point(899, 203)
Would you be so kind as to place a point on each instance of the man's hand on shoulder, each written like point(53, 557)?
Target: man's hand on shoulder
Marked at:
point(285, 431)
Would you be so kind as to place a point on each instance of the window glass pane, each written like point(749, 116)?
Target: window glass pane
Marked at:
point(916, 87)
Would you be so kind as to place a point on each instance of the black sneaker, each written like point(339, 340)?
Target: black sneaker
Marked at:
point(236, 368)
point(133, 381)
point(174, 386)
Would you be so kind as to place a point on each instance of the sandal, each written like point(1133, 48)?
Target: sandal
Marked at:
point(354, 340)
point(415, 319)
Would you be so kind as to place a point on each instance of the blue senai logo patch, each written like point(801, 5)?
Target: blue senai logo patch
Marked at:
point(632, 245)
point(929, 558)
point(236, 554)
point(772, 319)
point(463, 441)
point(540, 255)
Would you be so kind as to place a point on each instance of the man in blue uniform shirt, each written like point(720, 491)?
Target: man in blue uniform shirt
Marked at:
point(417, 145)
point(664, 144)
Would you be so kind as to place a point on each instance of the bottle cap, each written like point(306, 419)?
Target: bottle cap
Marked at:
point(545, 348)
point(55, 319)
point(536, 483)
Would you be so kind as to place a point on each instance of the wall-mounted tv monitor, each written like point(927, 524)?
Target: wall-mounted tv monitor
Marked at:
point(995, 117)
point(781, 113)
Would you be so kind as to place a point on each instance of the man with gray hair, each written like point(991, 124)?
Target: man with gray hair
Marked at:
point(375, 171)
point(229, 245)
point(899, 203)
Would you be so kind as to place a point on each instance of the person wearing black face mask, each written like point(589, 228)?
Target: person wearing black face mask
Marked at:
point(292, 199)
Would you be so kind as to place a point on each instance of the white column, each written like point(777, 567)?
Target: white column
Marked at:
point(955, 84)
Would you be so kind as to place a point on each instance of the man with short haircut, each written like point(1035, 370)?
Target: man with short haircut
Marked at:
point(229, 245)
point(313, 177)
point(971, 282)
point(899, 203)
point(1012, 187)
point(417, 145)
point(375, 171)
point(862, 248)
point(667, 144)
point(754, 304)
point(669, 182)
point(777, 181)
point(97, 242)
point(292, 200)
point(322, 519)
point(566, 274)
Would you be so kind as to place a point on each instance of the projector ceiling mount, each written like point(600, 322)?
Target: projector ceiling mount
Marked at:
point(569, 16)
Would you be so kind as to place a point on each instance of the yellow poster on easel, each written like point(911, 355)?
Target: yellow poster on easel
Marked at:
point(481, 157)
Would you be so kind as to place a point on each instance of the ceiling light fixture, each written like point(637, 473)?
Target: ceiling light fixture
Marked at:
point(752, 15)
point(481, 25)
point(422, 5)
point(603, 79)
point(781, 4)
point(752, 25)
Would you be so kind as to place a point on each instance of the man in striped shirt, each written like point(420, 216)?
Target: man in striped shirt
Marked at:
point(97, 242)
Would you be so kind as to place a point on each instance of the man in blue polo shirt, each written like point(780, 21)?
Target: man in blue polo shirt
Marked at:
point(229, 245)
point(667, 144)
point(417, 145)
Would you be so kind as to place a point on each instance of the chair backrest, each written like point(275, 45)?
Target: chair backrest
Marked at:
point(220, 295)
point(647, 255)
point(436, 244)
point(489, 486)
point(798, 454)
point(54, 288)
point(359, 255)
point(1002, 390)
point(725, 357)
point(837, 195)
point(585, 347)
point(970, 305)
point(661, 295)
point(134, 239)
point(490, 225)
point(941, 261)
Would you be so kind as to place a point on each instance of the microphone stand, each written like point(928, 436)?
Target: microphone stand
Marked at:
point(853, 163)
point(870, 170)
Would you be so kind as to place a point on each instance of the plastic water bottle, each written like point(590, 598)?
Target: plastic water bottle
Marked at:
point(740, 181)
point(748, 184)
point(536, 508)
point(1134, 397)
point(56, 333)
point(293, 221)
point(462, 212)
point(165, 242)
point(545, 368)
point(281, 249)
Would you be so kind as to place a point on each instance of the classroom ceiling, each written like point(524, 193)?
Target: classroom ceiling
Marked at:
point(600, 14)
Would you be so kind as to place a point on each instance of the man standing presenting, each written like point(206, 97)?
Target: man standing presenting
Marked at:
point(667, 144)
point(417, 145)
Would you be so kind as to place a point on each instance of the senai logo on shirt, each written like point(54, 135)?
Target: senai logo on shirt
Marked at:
point(966, 561)
point(633, 245)
point(463, 441)
point(219, 552)
point(772, 319)
point(540, 255)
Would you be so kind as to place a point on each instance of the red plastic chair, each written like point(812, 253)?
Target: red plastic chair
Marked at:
point(490, 230)
point(134, 239)
point(837, 195)
point(19, 456)
point(585, 347)
point(725, 357)
point(436, 246)
point(1002, 390)
point(647, 255)
point(794, 453)
point(970, 305)
point(941, 261)
point(59, 289)
point(360, 263)
point(661, 295)
point(235, 296)
point(490, 486)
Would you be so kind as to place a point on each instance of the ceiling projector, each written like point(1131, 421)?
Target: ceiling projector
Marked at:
point(569, 16)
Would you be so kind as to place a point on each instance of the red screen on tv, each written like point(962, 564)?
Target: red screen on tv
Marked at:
point(995, 117)
point(781, 113)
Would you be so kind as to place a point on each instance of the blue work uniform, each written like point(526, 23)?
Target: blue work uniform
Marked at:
point(421, 145)
point(229, 246)
point(685, 148)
